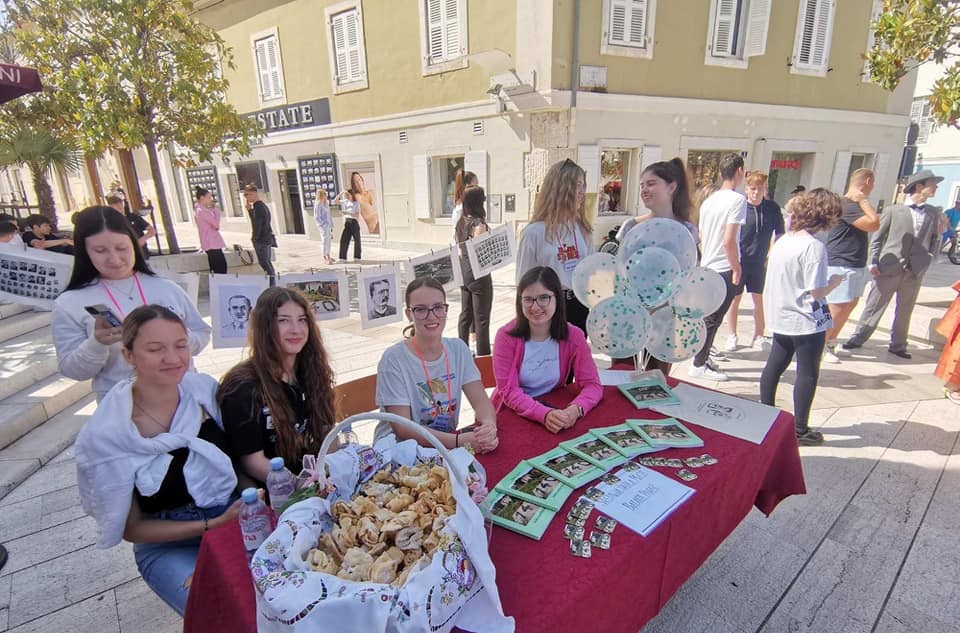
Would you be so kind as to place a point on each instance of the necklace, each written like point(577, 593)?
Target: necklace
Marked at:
point(164, 427)
point(128, 292)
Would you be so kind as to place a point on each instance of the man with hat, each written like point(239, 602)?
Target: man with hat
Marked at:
point(900, 253)
point(264, 241)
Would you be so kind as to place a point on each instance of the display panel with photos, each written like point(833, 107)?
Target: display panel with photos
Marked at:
point(443, 265)
point(33, 276)
point(318, 172)
point(205, 177)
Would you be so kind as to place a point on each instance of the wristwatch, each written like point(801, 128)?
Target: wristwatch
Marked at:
point(580, 408)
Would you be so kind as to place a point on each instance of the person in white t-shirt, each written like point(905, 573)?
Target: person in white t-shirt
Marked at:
point(721, 216)
point(795, 306)
point(559, 235)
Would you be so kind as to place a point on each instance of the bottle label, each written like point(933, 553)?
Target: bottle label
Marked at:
point(277, 501)
point(255, 532)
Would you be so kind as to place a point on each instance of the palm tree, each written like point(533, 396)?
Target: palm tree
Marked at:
point(39, 151)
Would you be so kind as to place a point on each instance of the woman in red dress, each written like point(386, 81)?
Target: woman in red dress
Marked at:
point(948, 368)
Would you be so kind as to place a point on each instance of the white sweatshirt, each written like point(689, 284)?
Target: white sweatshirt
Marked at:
point(81, 356)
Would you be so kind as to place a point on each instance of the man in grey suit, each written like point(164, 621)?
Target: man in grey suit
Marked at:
point(900, 253)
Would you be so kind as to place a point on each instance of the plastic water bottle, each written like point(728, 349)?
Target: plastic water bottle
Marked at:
point(254, 521)
point(280, 484)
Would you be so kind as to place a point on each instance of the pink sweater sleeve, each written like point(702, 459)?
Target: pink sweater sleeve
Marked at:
point(585, 373)
point(507, 355)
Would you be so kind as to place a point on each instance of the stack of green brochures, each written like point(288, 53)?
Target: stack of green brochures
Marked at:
point(649, 391)
point(519, 515)
point(625, 440)
point(538, 486)
point(595, 451)
point(571, 469)
point(666, 433)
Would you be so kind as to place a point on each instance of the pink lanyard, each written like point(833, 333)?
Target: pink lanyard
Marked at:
point(114, 299)
point(426, 373)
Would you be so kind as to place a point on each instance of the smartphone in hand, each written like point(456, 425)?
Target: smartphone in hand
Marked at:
point(104, 312)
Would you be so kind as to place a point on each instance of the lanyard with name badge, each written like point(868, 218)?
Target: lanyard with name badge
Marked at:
point(444, 418)
point(114, 299)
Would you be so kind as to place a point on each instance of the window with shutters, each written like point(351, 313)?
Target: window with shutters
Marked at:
point(875, 12)
point(920, 114)
point(627, 28)
point(443, 35)
point(345, 46)
point(811, 49)
point(737, 31)
point(269, 67)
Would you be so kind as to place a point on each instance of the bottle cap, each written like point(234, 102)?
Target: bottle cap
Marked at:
point(276, 463)
point(249, 495)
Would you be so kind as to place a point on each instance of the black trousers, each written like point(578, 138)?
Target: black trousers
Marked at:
point(808, 349)
point(217, 261)
point(476, 303)
point(714, 320)
point(577, 313)
point(264, 253)
point(351, 229)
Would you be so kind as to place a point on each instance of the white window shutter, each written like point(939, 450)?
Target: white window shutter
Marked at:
point(338, 30)
point(451, 29)
point(723, 43)
point(476, 162)
point(650, 154)
point(263, 71)
point(813, 46)
point(880, 172)
point(875, 13)
point(838, 182)
point(588, 157)
point(638, 23)
point(421, 185)
point(435, 31)
point(627, 25)
point(758, 23)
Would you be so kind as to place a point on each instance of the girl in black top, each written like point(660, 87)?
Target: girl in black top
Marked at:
point(476, 295)
point(278, 402)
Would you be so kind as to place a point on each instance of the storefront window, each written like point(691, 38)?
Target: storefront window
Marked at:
point(444, 174)
point(704, 166)
point(788, 170)
point(614, 170)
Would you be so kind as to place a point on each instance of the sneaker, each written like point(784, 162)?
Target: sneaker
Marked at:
point(849, 345)
point(830, 356)
point(952, 396)
point(761, 343)
point(841, 351)
point(707, 372)
point(716, 354)
point(810, 438)
point(731, 343)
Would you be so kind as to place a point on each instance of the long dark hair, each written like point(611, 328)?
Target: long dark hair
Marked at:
point(420, 282)
point(200, 192)
point(558, 324)
point(473, 209)
point(91, 221)
point(673, 171)
point(264, 369)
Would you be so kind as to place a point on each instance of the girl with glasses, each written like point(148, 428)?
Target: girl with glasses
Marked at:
point(559, 234)
point(425, 377)
point(534, 354)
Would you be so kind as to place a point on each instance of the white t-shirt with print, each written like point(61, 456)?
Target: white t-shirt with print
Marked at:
point(561, 253)
point(797, 264)
point(722, 208)
point(401, 381)
point(540, 368)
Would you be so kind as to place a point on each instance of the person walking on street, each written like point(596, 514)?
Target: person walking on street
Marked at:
point(764, 223)
point(721, 217)
point(321, 215)
point(350, 207)
point(847, 245)
point(264, 241)
point(476, 294)
point(206, 214)
point(900, 253)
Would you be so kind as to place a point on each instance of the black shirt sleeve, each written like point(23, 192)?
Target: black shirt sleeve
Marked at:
point(28, 237)
point(242, 421)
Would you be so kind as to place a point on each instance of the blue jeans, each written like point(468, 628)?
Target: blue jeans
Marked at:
point(167, 568)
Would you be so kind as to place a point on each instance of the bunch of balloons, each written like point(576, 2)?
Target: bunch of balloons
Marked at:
point(651, 296)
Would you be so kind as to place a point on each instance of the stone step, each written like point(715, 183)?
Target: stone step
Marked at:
point(25, 456)
point(22, 323)
point(10, 309)
point(27, 409)
point(26, 360)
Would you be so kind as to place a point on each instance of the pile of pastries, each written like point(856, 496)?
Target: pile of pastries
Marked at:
point(389, 528)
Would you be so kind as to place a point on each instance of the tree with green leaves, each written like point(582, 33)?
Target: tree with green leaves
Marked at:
point(135, 73)
point(909, 33)
point(40, 152)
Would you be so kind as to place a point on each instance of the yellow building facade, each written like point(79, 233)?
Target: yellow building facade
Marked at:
point(405, 92)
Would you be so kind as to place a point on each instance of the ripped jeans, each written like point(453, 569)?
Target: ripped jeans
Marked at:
point(168, 567)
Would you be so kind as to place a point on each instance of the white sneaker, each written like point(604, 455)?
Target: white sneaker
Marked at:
point(841, 352)
point(731, 343)
point(707, 372)
point(830, 356)
point(760, 343)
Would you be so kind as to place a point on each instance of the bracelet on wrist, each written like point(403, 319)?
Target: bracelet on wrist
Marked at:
point(456, 439)
point(206, 526)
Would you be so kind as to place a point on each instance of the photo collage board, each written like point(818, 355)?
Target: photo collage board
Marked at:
point(33, 276)
point(205, 177)
point(317, 172)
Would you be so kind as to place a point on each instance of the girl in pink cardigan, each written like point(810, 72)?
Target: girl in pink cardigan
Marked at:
point(534, 354)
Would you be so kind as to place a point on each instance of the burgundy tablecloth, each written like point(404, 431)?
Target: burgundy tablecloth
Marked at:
point(541, 584)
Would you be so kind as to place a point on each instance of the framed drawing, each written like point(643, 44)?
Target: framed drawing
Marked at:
point(380, 295)
point(327, 292)
point(443, 265)
point(492, 250)
point(232, 298)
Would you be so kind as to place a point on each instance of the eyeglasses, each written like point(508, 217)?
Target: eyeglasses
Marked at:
point(420, 312)
point(541, 300)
